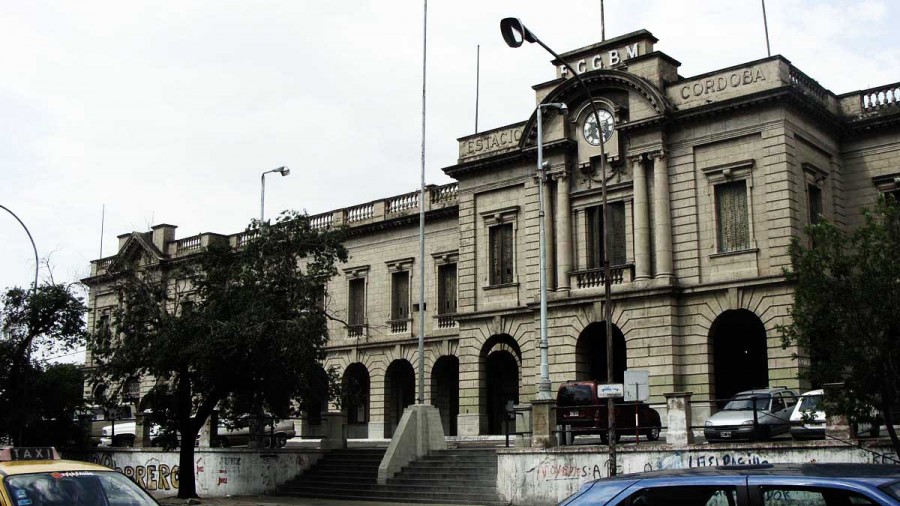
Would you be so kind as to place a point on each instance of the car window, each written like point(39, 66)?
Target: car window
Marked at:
point(575, 395)
point(790, 399)
point(746, 403)
point(810, 496)
point(777, 403)
point(810, 402)
point(75, 488)
point(688, 495)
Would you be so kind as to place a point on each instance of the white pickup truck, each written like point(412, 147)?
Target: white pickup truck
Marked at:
point(123, 434)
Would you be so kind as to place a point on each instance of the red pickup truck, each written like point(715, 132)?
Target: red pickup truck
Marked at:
point(580, 411)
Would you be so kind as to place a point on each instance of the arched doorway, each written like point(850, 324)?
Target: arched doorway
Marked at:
point(740, 358)
point(399, 392)
point(445, 391)
point(590, 354)
point(355, 399)
point(502, 358)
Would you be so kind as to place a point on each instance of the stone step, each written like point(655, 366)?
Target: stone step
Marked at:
point(391, 495)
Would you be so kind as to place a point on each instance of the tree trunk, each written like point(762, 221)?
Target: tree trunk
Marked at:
point(887, 403)
point(187, 484)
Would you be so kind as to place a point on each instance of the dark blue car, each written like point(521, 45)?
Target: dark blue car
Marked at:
point(761, 485)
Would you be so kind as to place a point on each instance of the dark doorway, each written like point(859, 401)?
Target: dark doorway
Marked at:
point(316, 401)
point(355, 397)
point(502, 388)
point(590, 354)
point(740, 358)
point(399, 392)
point(445, 391)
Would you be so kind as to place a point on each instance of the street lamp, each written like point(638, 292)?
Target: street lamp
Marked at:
point(262, 193)
point(33, 247)
point(544, 385)
point(515, 34)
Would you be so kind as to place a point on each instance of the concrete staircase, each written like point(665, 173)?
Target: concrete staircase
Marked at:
point(460, 476)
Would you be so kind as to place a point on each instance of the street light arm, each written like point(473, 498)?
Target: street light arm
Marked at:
point(33, 247)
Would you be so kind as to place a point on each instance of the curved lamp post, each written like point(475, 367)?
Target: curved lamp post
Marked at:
point(284, 171)
point(36, 264)
point(515, 34)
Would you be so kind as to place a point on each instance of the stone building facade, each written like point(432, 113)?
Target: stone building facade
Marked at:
point(708, 180)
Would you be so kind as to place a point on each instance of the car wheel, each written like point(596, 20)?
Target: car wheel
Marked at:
point(280, 441)
point(223, 442)
point(268, 442)
point(653, 434)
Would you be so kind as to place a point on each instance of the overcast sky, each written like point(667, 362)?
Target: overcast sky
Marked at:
point(168, 111)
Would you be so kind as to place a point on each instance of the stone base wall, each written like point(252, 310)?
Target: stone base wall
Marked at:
point(540, 477)
point(218, 472)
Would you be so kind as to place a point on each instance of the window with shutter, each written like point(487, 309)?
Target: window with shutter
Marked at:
point(501, 245)
point(447, 289)
point(400, 295)
point(617, 246)
point(357, 302)
point(732, 221)
point(814, 194)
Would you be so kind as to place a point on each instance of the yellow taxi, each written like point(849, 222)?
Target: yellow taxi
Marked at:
point(38, 477)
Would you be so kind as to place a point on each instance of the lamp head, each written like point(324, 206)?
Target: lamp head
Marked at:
point(283, 170)
point(559, 106)
point(515, 33)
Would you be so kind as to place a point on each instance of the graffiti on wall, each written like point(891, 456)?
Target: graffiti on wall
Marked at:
point(553, 471)
point(679, 460)
point(228, 465)
point(151, 475)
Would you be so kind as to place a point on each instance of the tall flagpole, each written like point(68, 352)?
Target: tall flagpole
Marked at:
point(421, 392)
point(477, 82)
point(766, 25)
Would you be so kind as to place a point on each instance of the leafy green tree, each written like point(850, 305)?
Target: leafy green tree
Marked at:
point(241, 328)
point(49, 319)
point(845, 314)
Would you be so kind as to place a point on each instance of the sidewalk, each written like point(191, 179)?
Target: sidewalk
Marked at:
point(265, 500)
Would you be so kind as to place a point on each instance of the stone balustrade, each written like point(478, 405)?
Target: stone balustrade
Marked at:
point(188, 244)
point(402, 203)
point(879, 98)
point(592, 278)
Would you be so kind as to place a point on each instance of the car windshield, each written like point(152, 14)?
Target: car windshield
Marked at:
point(746, 403)
point(810, 402)
point(76, 488)
point(574, 395)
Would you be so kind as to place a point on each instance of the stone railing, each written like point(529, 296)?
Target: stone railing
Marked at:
point(359, 213)
point(188, 244)
point(446, 193)
point(399, 326)
point(320, 221)
point(243, 238)
point(808, 85)
point(446, 321)
point(402, 203)
point(592, 278)
point(356, 330)
point(880, 98)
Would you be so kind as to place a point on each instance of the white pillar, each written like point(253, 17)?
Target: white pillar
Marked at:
point(641, 219)
point(563, 232)
point(663, 225)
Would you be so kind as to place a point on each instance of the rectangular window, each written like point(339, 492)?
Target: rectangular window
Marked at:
point(400, 295)
point(501, 244)
point(814, 194)
point(616, 239)
point(447, 289)
point(357, 302)
point(732, 220)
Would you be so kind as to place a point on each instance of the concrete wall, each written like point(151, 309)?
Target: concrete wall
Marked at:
point(219, 472)
point(540, 477)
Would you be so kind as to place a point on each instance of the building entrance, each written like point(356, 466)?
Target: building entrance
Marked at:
point(740, 359)
point(399, 392)
point(445, 391)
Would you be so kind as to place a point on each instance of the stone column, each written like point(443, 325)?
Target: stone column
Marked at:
point(549, 234)
point(663, 228)
point(641, 219)
point(335, 431)
point(678, 422)
point(563, 232)
point(141, 431)
point(543, 420)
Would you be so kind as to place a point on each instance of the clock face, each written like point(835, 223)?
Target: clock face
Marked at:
point(592, 132)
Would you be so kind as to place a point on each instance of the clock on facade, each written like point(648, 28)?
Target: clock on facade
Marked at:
point(592, 132)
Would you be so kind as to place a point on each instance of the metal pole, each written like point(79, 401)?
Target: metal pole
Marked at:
point(262, 197)
point(766, 25)
point(544, 385)
point(421, 396)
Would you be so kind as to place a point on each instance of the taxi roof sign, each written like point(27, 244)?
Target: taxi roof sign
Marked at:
point(28, 453)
